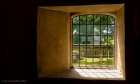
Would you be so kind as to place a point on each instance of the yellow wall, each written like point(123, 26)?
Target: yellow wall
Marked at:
point(52, 42)
point(120, 41)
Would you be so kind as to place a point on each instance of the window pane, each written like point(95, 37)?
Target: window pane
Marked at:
point(110, 40)
point(76, 20)
point(110, 61)
point(110, 20)
point(89, 19)
point(82, 61)
point(96, 29)
point(96, 50)
point(104, 39)
point(96, 61)
point(82, 29)
point(104, 50)
point(82, 50)
point(76, 39)
point(89, 29)
point(97, 40)
point(89, 61)
point(83, 19)
point(89, 39)
point(76, 50)
point(110, 50)
point(111, 29)
point(75, 29)
point(103, 19)
point(103, 61)
point(96, 19)
point(104, 29)
point(82, 39)
point(75, 60)
point(89, 51)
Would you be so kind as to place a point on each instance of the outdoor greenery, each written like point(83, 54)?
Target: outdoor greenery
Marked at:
point(88, 29)
point(93, 25)
point(94, 61)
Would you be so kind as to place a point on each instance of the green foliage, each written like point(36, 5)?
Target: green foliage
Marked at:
point(84, 42)
point(106, 21)
point(89, 61)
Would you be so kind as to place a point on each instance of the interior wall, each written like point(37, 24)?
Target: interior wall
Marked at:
point(52, 42)
point(120, 38)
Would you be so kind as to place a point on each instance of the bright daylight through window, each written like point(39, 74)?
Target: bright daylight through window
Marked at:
point(93, 40)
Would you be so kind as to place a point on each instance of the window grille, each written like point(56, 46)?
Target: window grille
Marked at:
point(93, 40)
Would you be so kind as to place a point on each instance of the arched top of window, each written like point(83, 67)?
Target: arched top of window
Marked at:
point(96, 19)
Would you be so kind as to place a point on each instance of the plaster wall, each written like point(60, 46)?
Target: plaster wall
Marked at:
point(120, 41)
point(52, 42)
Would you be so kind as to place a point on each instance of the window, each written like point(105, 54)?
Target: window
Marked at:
point(93, 40)
point(56, 47)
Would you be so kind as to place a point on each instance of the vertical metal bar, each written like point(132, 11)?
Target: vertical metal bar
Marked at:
point(86, 41)
point(79, 43)
point(114, 42)
point(100, 39)
point(72, 41)
point(107, 42)
point(93, 43)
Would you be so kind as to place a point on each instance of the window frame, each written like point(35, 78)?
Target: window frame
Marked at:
point(71, 34)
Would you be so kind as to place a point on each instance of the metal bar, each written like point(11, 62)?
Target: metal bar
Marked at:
point(107, 42)
point(72, 41)
point(93, 42)
point(100, 39)
point(114, 42)
point(86, 42)
point(79, 43)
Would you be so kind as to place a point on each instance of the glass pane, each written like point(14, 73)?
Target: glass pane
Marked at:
point(104, 61)
point(96, 61)
point(96, 29)
point(111, 29)
point(103, 19)
point(110, 50)
point(75, 29)
point(110, 61)
point(104, 39)
point(83, 19)
point(89, 29)
point(76, 39)
point(90, 51)
point(89, 61)
point(110, 40)
point(89, 19)
point(97, 40)
point(96, 19)
point(76, 50)
point(75, 60)
point(82, 61)
point(82, 50)
point(104, 50)
point(110, 20)
point(96, 50)
point(76, 20)
point(104, 29)
point(82, 29)
point(82, 39)
point(89, 39)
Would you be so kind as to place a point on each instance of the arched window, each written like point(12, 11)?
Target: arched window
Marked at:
point(93, 39)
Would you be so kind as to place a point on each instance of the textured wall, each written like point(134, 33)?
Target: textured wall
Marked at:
point(52, 42)
point(120, 41)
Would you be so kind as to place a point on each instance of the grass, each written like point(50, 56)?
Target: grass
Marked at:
point(94, 61)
